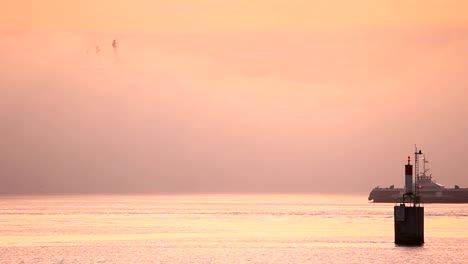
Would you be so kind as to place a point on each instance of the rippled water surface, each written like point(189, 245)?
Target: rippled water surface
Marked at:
point(220, 229)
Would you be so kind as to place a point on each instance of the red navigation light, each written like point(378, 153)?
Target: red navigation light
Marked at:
point(409, 158)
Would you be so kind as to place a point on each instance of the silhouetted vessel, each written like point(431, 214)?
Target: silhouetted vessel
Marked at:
point(429, 190)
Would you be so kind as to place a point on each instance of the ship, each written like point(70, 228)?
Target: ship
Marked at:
point(428, 189)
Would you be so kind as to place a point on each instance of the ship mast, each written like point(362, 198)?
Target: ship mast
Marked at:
point(424, 166)
point(425, 177)
point(416, 170)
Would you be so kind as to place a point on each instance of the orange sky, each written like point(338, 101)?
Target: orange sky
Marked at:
point(241, 96)
point(214, 15)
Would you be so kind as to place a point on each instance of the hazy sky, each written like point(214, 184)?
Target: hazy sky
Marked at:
point(221, 16)
point(241, 96)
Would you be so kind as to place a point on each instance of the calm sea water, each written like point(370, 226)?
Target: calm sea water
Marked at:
point(220, 229)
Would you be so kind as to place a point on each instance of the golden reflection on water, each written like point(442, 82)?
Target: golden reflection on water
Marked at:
point(192, 219)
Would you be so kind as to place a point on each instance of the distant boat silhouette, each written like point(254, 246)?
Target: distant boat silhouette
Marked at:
point(429, 190)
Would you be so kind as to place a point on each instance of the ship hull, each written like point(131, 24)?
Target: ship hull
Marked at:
point(393, 195)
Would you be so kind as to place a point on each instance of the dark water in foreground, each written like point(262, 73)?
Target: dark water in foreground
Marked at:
point(220, 229)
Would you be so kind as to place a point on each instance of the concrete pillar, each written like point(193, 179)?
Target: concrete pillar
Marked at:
point(409, 225)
